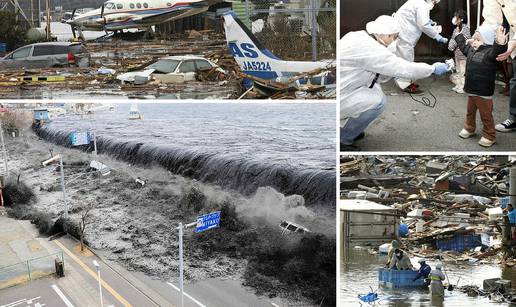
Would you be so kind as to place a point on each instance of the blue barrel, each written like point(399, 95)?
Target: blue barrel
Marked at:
point(3, 47)
point(403, 231)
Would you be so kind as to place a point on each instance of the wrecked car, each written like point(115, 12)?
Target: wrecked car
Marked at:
point(289, 227)
point(47, 55)
point(171, 69)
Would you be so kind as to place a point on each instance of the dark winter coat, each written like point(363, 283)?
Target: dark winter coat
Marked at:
point(481, 66)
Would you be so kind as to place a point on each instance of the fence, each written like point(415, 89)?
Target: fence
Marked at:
point(28, 270)
point(299, 29)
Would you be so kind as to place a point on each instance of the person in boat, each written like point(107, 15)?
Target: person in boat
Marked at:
point(400, 261)
point(394, 245)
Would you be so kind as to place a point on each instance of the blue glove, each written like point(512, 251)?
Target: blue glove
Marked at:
point(440, 68)
point(440, 39)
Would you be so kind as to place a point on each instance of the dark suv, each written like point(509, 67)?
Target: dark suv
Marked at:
point(44, 55)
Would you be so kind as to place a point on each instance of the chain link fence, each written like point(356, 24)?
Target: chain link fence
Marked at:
point(28, 270)
point(292, 30)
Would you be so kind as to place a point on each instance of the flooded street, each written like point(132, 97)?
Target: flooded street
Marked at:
point(360, 273)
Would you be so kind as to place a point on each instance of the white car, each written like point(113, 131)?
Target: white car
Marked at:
point(171, 69)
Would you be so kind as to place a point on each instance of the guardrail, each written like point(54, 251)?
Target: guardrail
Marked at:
point(28, 270)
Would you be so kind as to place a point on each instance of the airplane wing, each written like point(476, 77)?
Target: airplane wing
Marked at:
point(142, 21)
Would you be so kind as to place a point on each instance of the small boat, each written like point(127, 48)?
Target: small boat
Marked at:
point(134, 113)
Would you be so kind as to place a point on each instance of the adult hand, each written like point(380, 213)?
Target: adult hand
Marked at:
point(440, 68)
point(510, 48)
point(440, 39)
point(501, 36)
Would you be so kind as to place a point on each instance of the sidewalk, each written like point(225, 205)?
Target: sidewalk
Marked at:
point(79, 287)
point(406, 125)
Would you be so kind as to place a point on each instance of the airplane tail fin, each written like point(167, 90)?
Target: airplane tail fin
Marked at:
point(252, 57)
point(256, 60)
point(238, 33)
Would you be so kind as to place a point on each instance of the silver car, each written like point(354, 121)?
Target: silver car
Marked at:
point(46, 55)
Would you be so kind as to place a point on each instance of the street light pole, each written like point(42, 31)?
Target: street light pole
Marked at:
point(96, 264)
point(63, 185)
point(3, 150)
point(181, 263)
point(95, 142)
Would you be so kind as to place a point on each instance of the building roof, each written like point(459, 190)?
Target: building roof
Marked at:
point(362, 205)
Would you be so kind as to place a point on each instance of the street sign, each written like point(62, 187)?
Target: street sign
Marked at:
point(80, 138)
point(208, 221)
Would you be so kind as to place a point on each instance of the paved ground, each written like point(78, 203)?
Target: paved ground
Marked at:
point(41, 292)
point(406, 125)
point(120, 287)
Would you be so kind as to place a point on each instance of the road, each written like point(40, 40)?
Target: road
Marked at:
point(406, 125)
point(120, 287)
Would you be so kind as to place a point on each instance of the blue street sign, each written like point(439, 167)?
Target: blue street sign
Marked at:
point(80, 138)
point(208, 221)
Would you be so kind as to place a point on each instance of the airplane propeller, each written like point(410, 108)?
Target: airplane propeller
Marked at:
point(103, 18)
point(72, 26)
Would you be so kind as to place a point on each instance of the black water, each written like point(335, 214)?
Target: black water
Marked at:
point(290, 147)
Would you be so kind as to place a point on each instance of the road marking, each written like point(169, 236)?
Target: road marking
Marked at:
point(94, 275)
point(62, 296)
point(274, 304)
point(187, 295)
point(22, 301)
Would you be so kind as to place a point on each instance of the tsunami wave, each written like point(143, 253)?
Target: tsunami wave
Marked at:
point(318, 187)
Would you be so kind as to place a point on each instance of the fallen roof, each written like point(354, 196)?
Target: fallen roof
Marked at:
point(362, 205)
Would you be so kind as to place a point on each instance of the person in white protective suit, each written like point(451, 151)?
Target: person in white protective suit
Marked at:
point(365, 62)
point(494, 12)
point(413, 17)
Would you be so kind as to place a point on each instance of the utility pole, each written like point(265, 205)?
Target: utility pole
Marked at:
point(3, 150)
point(95, 143)
point(63, 184)
point(314, 30)
point(47, 4)
point(181, 263)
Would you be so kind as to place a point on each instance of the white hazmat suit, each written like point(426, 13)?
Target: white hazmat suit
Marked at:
point(361, 58)
point(413, 17)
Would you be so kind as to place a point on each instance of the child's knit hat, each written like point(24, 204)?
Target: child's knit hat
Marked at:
point(487, 33)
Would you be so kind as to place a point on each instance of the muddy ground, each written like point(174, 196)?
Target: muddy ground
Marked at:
point(137, 224)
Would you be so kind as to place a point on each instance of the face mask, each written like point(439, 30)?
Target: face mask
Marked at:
point(454, 21)
point(393, 46)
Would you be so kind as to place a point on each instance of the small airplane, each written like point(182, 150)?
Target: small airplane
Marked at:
point(115, 15)
point(256, 60)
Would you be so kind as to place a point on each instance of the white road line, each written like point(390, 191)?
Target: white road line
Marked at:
point(62, 296)
point(23, 300)
point(187, 295)
point(18, 302)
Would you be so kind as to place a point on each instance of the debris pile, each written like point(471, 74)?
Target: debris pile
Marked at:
point(451, 208)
